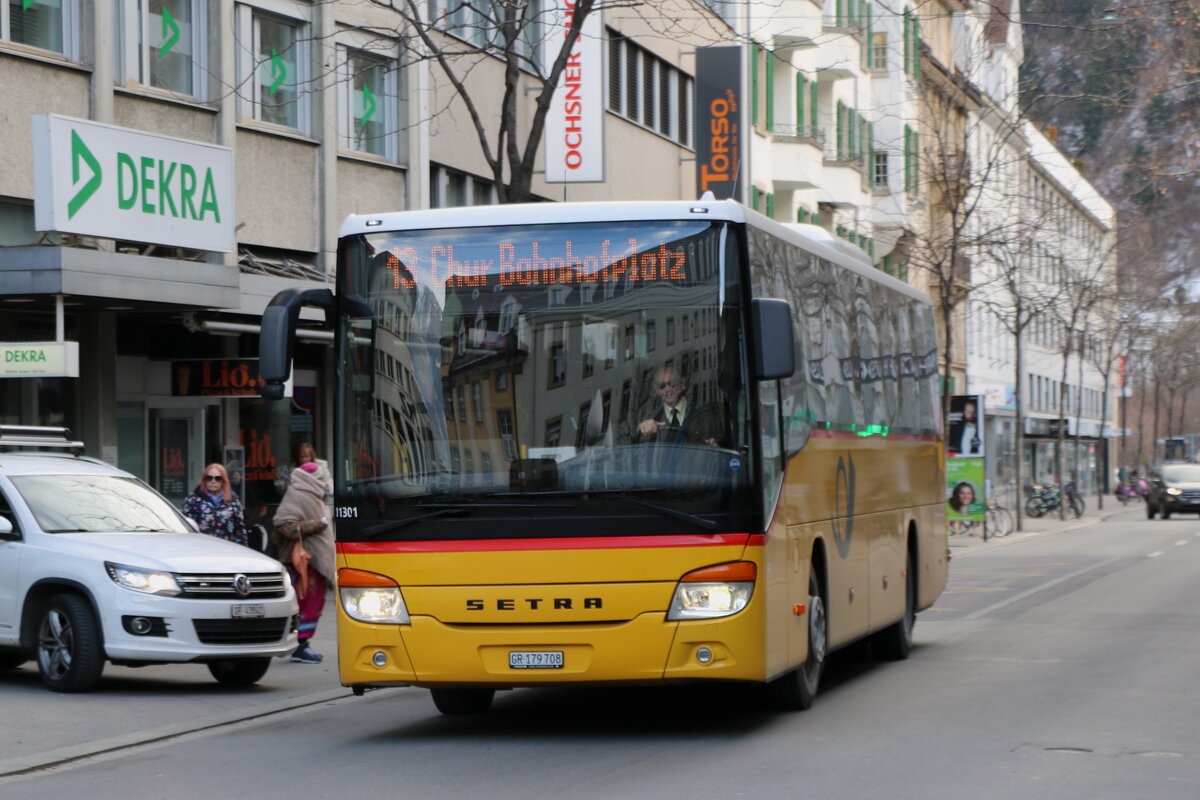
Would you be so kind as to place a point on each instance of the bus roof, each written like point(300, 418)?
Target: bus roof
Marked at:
point(813, 238)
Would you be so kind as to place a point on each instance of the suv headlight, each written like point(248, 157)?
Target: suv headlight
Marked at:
point(371, 597)
point(716, 591)
point(143, 580)
point(1173, 491)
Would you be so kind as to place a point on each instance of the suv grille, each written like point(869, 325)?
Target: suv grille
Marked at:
point(241, 631)
point(220, 585)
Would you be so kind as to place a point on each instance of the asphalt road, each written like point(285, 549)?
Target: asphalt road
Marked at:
point(1060, 666)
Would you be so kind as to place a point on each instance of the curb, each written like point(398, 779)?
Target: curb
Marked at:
point(969, 547)
point(52, 758)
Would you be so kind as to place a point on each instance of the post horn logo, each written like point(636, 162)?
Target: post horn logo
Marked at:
point(844, 506)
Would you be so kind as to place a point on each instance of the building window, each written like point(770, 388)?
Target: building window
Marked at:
point(651, 336)
point(879, 173)
point(274, 67)
point(369, 103)
point(879, 51)
point(581, 433)
point(504, 421)
point(477, 401)
point(553, 432)
point(48, 25)
point(449, 188)
point(558, 364)
point(462, 403)
point(648, 91)
point(501, 381)
point(166, 45)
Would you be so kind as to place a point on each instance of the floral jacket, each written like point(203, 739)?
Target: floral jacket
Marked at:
point(225, 521)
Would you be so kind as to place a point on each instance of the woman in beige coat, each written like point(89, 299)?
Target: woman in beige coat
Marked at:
point(304, 540)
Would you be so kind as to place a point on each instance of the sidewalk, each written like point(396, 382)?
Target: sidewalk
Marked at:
point(965, 545)
point(138, 705)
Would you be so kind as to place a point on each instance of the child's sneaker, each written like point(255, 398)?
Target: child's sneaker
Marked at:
point(306, 655)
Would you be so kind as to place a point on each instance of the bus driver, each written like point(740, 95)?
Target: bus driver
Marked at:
point(678, 419)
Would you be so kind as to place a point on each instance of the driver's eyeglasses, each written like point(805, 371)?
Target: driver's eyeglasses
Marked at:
point(213, 478)
point(664, 384)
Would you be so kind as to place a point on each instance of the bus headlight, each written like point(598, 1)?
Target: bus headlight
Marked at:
point(371, 597)
point(716, 591)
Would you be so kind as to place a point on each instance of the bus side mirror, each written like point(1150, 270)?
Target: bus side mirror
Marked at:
point(278, 333)
point(774, 339)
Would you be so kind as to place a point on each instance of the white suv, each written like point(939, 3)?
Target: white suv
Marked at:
point(95, 565)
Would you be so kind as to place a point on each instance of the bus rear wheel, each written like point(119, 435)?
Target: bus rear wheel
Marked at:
point(797, 690)
point(894, 642)
point(453, 702)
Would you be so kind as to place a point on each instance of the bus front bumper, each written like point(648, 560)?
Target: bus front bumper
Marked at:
point(646, 649)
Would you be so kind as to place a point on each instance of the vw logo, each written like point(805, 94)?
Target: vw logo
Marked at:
point(241, 585)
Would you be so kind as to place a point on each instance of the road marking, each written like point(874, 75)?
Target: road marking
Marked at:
point(1040, 587)
point(1181, 542)
point(1155, 554)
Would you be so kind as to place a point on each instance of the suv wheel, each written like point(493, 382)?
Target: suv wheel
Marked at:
point(69, 654)
point(239, 671)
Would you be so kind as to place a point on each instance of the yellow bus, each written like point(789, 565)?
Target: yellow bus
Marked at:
point(622, 443)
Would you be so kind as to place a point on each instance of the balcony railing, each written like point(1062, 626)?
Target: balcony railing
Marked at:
point(798, 131)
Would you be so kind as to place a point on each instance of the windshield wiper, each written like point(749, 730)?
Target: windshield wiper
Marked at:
point(667, 511)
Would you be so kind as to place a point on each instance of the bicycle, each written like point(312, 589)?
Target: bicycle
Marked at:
point(997, 520)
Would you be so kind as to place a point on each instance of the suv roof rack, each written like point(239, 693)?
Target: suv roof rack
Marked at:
point(21, 437)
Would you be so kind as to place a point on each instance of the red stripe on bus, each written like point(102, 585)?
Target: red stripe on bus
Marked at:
point(590, 543)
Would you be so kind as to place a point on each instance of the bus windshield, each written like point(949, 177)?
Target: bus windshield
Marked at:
point(543, 380)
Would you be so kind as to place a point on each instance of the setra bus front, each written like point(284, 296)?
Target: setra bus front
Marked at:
point(548, 451)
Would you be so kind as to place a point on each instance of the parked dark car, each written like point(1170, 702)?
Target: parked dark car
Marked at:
point(1174, 488)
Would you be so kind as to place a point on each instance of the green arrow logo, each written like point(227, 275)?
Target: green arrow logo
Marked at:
point(278, 72)
point(80, 152)
point(368, 104)
point(170, 33)
point(25, 4)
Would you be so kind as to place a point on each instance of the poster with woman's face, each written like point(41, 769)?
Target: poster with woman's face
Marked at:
point(965, 438)
point(964, 489)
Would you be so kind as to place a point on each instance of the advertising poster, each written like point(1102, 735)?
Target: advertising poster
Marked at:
point(718, 121)
point(965, 437)
point(965, 500)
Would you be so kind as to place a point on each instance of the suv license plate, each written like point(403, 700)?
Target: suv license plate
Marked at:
point(248, 611)
point(535, 659)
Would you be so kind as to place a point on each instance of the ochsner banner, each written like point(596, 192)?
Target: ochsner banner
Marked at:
point(718, 121)
point(574, 139)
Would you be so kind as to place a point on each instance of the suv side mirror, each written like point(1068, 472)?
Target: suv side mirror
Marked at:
point(6, 528)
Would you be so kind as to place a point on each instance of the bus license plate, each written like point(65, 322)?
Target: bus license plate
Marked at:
point(248, 611)
point(535, 659)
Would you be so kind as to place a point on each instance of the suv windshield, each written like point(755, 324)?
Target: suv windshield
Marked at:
point(95, 504)
point(527, 374)
point(1182, 473)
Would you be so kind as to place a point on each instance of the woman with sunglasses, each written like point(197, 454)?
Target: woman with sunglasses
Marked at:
point(214, 507)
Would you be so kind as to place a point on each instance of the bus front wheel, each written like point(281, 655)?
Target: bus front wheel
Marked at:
point(797, 690)
point(453, 702)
